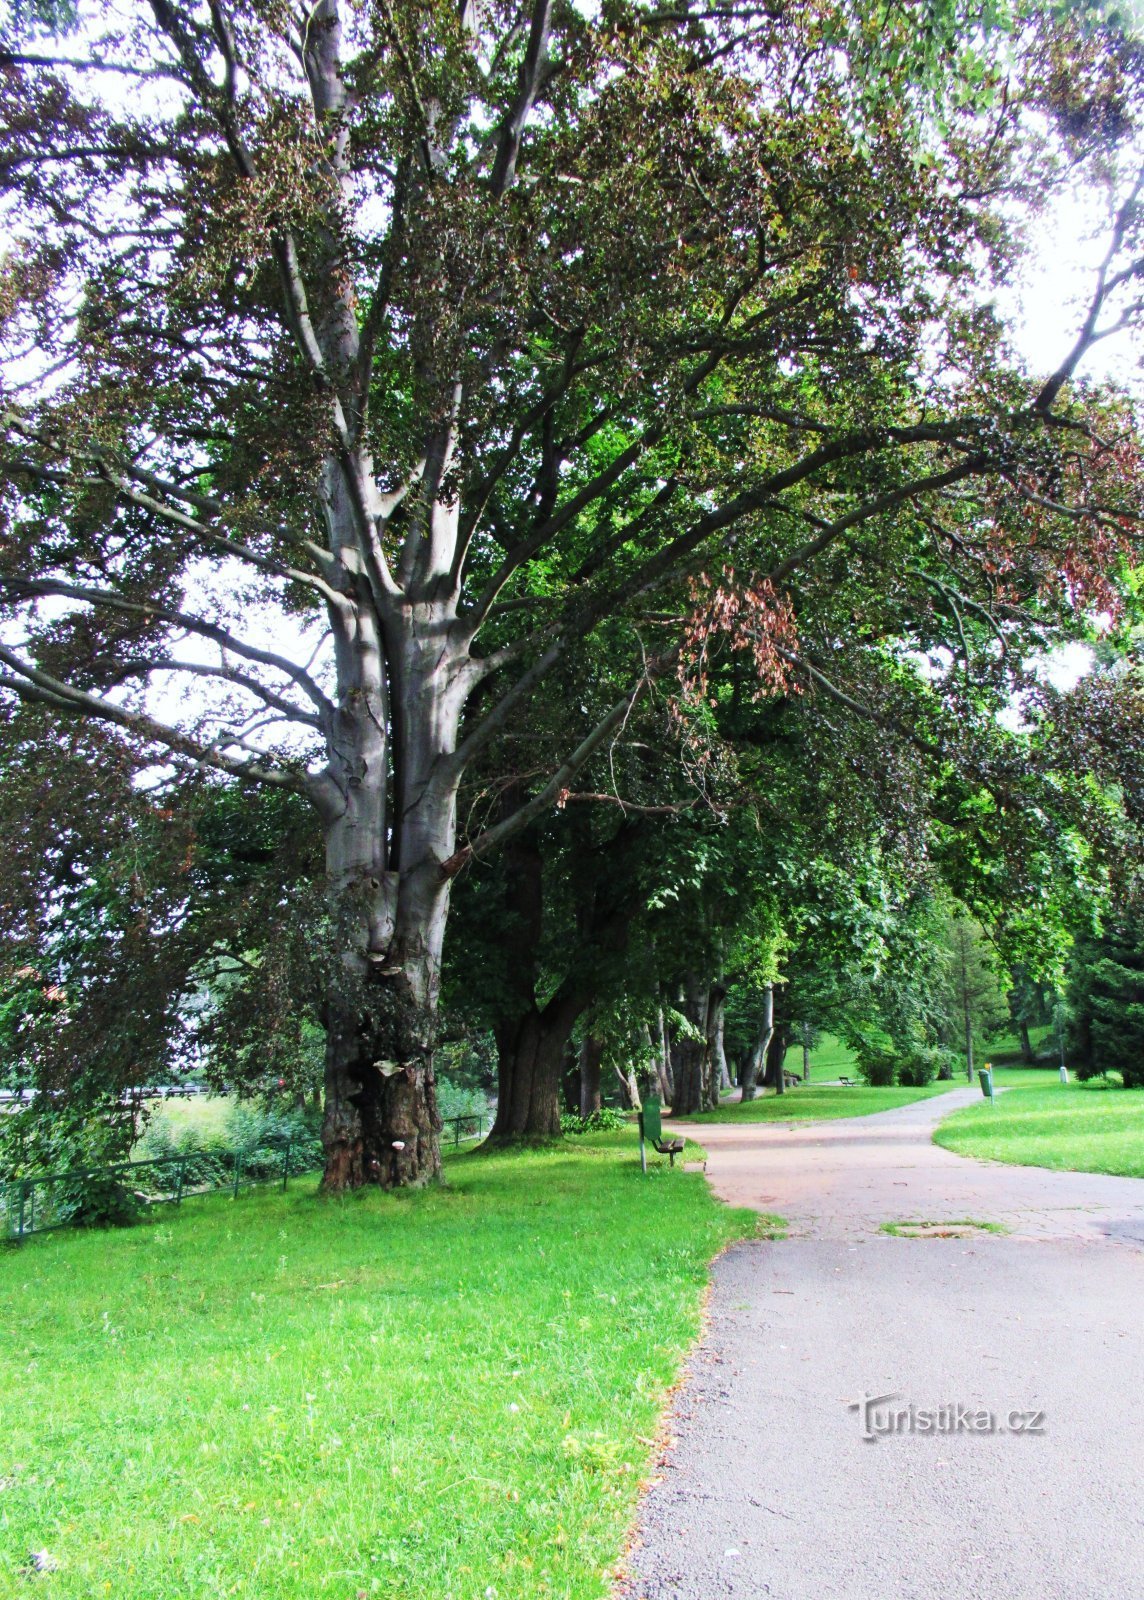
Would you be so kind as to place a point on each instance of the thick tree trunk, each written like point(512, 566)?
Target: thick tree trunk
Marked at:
point(776, 1057)
point(381, 1122)
point(758, 1056)
point(387, 893)
point(714, 1061)
point(689, 1055)
point(720, 1054)
point(530, 1062)
point(1027, 1055)
point(591, 1056)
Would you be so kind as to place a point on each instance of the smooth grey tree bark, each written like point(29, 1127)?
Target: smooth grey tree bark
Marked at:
point(758, 1057)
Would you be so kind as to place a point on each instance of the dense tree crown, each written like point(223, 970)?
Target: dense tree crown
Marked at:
point(388, 381)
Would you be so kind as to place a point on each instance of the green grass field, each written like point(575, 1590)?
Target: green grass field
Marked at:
point(448, 1395)
point(207, 1114)
point(812, 1102)
point(1040, 1122)
point(829, 1058)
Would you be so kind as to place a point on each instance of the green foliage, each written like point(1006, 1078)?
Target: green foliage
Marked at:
point(504, 1347)
point(1106, 1001)
point(923, 1065)
point(875, 1054)
point(606, 1120)
point(99, 1200)
point(258, 1135)
point(39, 1138)
point(457, 1100)
point(208, 1157)
point(253, 1136)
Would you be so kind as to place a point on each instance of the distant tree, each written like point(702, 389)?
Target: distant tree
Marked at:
point(1030, 1005)
point(974, 998)
point(1107, 1000)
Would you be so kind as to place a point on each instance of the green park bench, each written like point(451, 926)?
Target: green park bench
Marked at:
point(651, 1132)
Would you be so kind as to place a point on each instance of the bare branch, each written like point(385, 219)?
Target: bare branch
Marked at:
point(554, 789)
point(1088, 334)
point(29, 682)
point(224, 673)
point(531, 79)
point(39, 588)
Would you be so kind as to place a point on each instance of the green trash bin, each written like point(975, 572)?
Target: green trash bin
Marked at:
point(985, 1074)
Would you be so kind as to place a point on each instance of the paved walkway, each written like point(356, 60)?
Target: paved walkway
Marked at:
point(769, 1486)
point(843, 1179)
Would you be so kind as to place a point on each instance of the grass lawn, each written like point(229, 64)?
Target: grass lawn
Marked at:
point(206, 1114)
point(829, 1058)
point(1040, 1122)
point(812, 1102)
point(449, 1395)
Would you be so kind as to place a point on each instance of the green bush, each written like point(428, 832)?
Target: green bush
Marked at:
point(98, 1200)
point(603, 1121)
point(453, 1100)
point(206, 1160)
point(876, 1057)
point(922, 1065)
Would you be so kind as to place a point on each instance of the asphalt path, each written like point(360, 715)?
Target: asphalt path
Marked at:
point(891, 1418)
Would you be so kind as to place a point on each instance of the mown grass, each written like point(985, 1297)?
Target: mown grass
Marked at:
point(829, 1058)
point(1040, 1122)
point(812, 1102)
point(449, 1394)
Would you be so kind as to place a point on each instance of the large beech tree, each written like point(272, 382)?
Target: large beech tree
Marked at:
point(464, 329)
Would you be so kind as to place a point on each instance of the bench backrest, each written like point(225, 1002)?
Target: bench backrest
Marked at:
point(651, 1124)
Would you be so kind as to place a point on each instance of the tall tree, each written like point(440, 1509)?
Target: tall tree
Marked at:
point(459, 330)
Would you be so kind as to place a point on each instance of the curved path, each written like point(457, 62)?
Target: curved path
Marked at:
point(771, 1487)
point(843, 1179)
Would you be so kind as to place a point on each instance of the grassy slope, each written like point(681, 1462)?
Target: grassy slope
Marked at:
point(829, 1058)
point(447, 1394)
point(811, 1103)
point(1040, 1122)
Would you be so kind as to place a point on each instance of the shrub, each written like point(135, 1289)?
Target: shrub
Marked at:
point(875, 1055)
point(259, 1136)
point(455, 1101)
point(98, 1200)
point(206, 1160)
point(923, 1064)
point(603, 1121)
